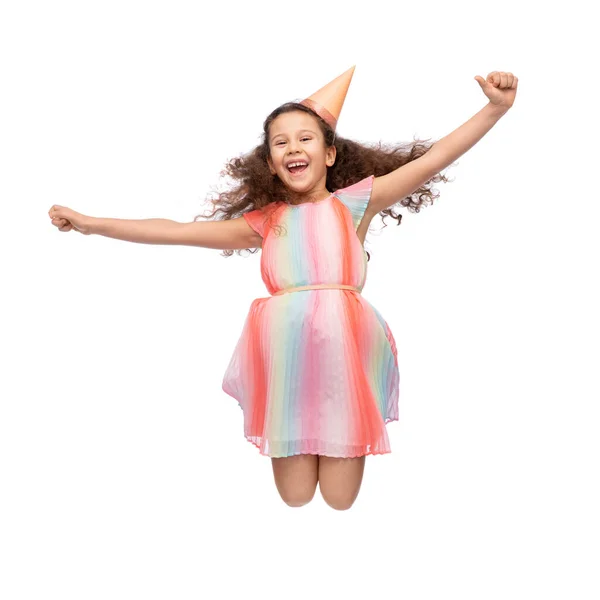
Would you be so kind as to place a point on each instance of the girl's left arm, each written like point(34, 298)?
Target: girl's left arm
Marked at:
point(500, 87)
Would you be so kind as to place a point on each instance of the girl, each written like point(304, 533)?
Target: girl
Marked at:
point(315, 369)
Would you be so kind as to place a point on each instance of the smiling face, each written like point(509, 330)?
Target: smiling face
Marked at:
point(296, 137)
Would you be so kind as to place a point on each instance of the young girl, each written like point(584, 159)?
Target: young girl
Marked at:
point(315, 369)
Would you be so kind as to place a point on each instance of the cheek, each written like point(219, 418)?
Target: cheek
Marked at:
point(277, 163)
point(277, 158)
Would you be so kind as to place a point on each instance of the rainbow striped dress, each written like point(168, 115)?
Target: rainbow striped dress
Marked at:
point(315, 370)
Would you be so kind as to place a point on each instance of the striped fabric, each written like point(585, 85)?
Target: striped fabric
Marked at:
point(315, 371)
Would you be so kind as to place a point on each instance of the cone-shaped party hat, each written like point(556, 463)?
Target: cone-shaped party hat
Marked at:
point(328, 101)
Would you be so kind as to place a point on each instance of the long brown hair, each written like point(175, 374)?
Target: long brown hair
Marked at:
point(258, 188)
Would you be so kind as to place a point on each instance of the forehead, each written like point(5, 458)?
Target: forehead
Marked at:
point(292, 122)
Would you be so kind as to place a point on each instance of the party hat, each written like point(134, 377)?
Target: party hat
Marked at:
point(328, 101)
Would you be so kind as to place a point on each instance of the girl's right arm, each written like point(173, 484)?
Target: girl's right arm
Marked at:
point(230, 234)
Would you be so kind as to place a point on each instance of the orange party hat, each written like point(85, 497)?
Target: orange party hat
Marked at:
point(328, 101)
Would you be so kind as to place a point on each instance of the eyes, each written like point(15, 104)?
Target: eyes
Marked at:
point(301, 139)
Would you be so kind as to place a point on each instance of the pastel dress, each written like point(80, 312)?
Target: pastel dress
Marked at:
point(315, 369)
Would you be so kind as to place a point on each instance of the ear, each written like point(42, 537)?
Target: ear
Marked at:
point(330, 156)
point(269, 162)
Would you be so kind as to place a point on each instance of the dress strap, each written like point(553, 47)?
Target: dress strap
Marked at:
point(318, 286)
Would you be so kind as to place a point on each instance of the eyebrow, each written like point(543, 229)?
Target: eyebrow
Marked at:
point(301, 131)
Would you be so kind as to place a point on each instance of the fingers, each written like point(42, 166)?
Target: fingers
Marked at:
point(502, 79)
point(56, 210)
point(62, 224)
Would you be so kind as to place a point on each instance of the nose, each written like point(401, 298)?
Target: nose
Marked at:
point(293, 147)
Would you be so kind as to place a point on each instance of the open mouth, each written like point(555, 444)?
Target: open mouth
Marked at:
point(295, 171)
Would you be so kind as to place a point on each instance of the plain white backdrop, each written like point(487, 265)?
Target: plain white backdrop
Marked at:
point(123, 466)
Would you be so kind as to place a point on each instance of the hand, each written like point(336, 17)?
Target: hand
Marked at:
point(66, 219)
point(500, 87)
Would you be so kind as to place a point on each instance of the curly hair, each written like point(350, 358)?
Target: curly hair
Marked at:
point(258, 188)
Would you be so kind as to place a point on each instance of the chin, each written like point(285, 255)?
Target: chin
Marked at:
point(301, 185)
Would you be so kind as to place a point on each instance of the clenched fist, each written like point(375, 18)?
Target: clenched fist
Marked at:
point(66, 219)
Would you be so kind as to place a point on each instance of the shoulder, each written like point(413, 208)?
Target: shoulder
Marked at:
point(357, 190)
point(258, 218)
point(356, 198)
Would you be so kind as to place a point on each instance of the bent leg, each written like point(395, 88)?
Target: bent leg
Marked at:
point(296, 478)
point(340, 480)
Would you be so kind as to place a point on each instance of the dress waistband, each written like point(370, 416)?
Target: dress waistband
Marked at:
point(319, 286)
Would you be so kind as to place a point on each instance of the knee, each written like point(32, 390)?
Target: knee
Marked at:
point(298, 500)
point(296, 504)
point(339, 503)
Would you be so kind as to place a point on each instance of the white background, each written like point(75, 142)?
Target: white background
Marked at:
point(123, 466)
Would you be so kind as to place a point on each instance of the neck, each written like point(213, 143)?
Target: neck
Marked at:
point(300, 198)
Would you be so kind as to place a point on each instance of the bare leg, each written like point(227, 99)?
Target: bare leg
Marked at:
point(296, 478)
point(340, 480)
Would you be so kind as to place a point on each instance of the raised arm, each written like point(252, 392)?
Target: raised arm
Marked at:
point(230, 234)
point(500, 88)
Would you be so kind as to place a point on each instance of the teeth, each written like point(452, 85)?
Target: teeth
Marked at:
point(297, 164)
